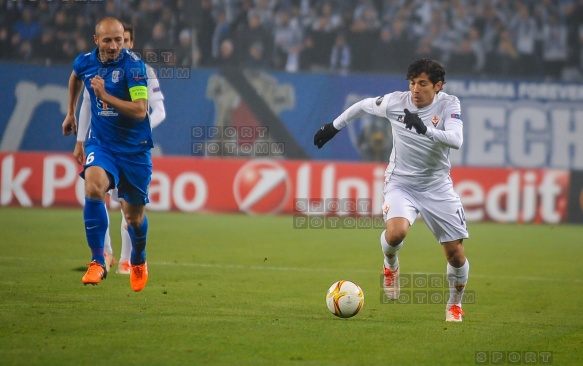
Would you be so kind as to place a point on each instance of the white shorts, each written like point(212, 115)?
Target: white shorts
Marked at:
point(441, 209)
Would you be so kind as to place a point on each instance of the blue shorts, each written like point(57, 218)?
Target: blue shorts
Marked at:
point(131, 173)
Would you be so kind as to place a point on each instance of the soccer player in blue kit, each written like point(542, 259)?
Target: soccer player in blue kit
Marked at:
point(118, 144)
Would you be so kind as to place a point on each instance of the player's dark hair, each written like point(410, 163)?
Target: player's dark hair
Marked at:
point(432, 68)
point(127, 27)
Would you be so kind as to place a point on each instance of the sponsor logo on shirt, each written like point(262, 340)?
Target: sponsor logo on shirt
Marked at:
point(105, 110)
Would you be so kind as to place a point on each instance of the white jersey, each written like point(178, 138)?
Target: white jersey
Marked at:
point(418, 161)
point(154, 92)
point(155, 102)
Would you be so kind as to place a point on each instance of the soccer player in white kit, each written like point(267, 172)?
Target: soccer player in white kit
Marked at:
point(157, 115)
point(426, 124)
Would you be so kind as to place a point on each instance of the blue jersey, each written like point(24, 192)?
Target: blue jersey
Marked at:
point(109, 128)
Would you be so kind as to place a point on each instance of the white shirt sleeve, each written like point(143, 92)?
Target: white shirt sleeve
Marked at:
point(84, 119)
point(157, 112)
point(452, 136)
point(155, 100)
point(376, 106)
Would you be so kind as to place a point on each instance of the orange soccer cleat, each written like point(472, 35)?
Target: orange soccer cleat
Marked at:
point(139, 276)
point(391, 284)
point(94, 274)
point(124, 267)
point(454, 313)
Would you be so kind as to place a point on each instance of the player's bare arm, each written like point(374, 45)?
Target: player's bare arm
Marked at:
point(135, 109)
point(79, 152)
point(70, 123)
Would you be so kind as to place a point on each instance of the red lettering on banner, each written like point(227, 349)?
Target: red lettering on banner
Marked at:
point(276, 186)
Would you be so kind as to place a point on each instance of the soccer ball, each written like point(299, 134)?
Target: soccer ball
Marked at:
point(344, 299)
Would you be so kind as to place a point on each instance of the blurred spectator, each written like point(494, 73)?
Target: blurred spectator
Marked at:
point(205, 32)
point(364, 28)
point(27, 27)
point(159, 40)
point(288, 43)
point(227, 56)
point(5, 47)
point(340, 57)
point(488, 25)
point(580, 53)
point(402, 43)
point(323, 33)
point(504, 61)
point(185, 56)
point(520, 38)
point(255, 43)
point(425, 49)
point(221, 31)
point(555, 49)
point(463, 60)
point(45, 51)
point(384, 52)
point(264, 10)
point(307, 53)
point(526, 33)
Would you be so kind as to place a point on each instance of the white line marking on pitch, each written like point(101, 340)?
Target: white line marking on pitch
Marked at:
point(308, 269)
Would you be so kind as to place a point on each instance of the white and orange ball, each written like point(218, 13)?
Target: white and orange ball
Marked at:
point(344, 299)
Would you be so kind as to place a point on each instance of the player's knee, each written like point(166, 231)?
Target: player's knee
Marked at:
point(454, 253)
point(395, 236)
point(95, 190)
point(134, 220)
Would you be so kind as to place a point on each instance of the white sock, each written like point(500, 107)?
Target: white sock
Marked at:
point(390, 263)
point(457, 278)
point(107, 241)
point(126, 242)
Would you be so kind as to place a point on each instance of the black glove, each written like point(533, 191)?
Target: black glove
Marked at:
point(325, 134)
point(412, 120)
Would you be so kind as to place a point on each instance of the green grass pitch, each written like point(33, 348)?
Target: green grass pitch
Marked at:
point(242, 290)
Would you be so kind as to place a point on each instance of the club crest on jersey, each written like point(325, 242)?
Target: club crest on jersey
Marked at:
point(386, 208)
point(400, 118)
point(115, 76)
point(435, 120)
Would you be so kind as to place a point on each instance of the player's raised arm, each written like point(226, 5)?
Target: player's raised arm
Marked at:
point(368, 105)
point(70, 123)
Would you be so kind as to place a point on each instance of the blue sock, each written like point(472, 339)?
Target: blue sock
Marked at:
point(138, 236)
point(96, 223)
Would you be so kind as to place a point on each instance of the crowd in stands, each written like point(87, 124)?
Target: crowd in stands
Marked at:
point(539, 39)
